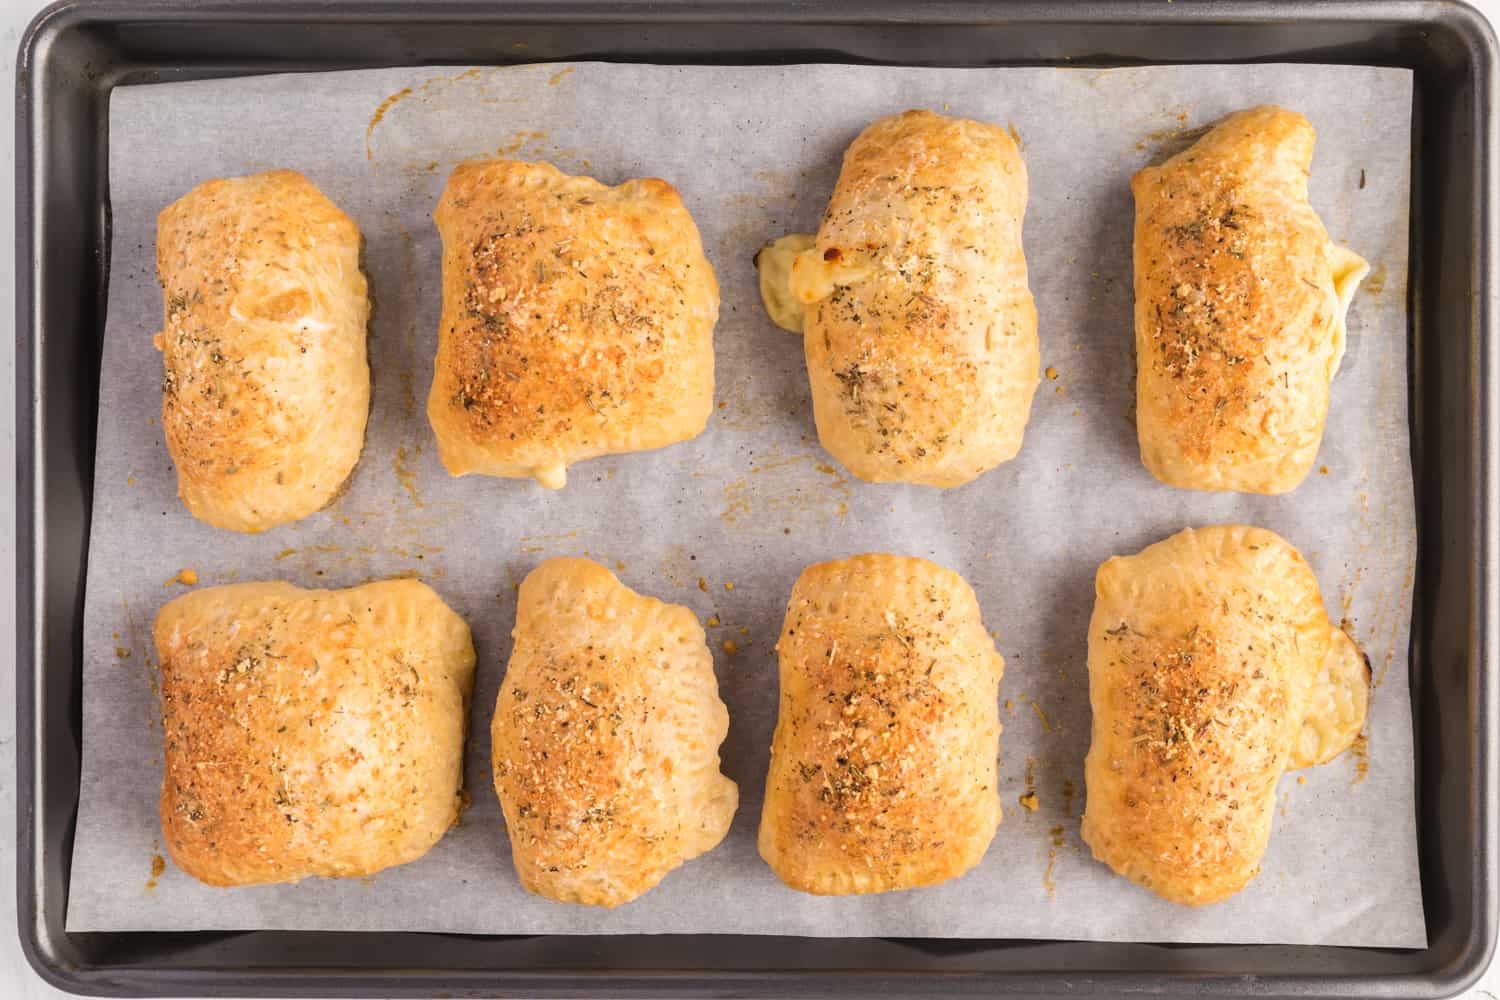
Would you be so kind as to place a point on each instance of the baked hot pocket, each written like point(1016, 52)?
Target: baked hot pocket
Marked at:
point(883, 763)
point(917, 323)
point(577, 321)
point(1213, 668)
point(606, 738)
point(265, 386)
point(1240, 299)
point(310, 732)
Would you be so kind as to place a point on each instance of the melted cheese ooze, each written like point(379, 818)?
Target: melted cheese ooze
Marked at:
point(816, 275)
point(794, 275)
point(1349, 269)
point(553, 477)
point(774, 262)
point(1336, 704)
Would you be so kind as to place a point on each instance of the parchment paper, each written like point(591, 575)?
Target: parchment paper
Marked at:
point(755, 152)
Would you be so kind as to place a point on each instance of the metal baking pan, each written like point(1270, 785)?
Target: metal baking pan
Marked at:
point(75, 53)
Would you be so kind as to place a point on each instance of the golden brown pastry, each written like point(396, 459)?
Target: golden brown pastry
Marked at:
point(1212, 668)
point(1240, 298)
point(883, 764)
point(577, 321)
point(919, 329)
point(606, 738)
point(310, 732)
point(265, 389)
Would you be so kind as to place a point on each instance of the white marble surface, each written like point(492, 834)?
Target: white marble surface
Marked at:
point(16, 978)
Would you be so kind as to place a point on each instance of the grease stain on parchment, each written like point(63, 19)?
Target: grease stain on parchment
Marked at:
point(379, 116)
point(1379, 610)
point(1057, 838)
point(519, 140)
point(405, 474)
point(405, 373)
point(434, 85)
point(756, 216)
point(679, 565)
point(741, 409)
point(1376, 285)
point(1179, 131)
point(364, 563)
point(543, 541)
point(552, 545)
point(158, 867)
point(1360, 750)
point(141, 651)
point(1173, 133)
point(782, 491)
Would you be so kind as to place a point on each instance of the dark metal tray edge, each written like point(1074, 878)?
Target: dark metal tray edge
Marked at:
point(41, 553)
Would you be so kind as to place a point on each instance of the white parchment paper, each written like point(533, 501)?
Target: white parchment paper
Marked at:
point(754, 151)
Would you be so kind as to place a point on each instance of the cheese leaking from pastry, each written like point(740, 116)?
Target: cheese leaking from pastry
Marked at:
point(884, 760)
point(1213, 668)
point(1240, 307)
point(774, 264)
point(310, 732)
point(265, 385)
point(918, 327)
point(605, 738)
point(577, 321)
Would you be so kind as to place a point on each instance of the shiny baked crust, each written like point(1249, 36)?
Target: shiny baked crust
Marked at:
point(919, 330)
point(606, 738)
point(1240, 300)
point(883, 763)
point(310, 732)
point(1213, 668)
point(577, 321)
point(265, 386)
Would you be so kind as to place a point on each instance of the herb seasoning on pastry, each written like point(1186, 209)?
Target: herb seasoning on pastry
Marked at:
point(883, 763)
point(1213, 668)
point(310, 732)
point(917, 323)
point(265, 389)
point(577, 321)
point(1240, 301)
point(606, 736)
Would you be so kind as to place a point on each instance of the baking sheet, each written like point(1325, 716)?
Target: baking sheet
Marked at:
point(755, 151)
